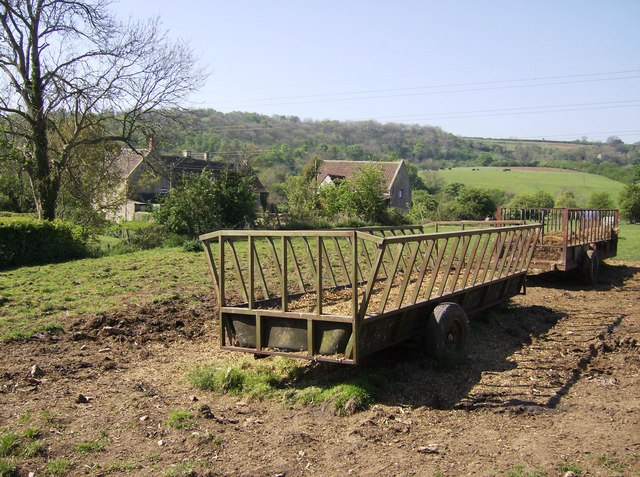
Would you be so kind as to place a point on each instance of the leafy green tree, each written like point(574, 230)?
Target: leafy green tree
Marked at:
point(471, 203)
point(414, 177)
point(361, 197)
point(539, 199)
point(630, 203)
point(203, 203)
point(600, 200)
point(301, 200)
point(423, 208)
point(454, 189)
point(366, 199)
point(567, 199)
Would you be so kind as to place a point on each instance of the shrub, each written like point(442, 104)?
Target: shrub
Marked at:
point(630, 203)
point(204, 203)
point(537, 199)
point(25, 241)
point(600, 200)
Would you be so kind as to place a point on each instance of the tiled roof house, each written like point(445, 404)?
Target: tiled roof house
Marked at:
point(396, 177)
point(147, 173)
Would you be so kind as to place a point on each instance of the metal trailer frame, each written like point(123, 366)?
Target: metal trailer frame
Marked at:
point(341, 295)
point(569, 237)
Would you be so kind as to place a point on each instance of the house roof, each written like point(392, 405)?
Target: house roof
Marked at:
point(168, 164)
point(128, 160)
point(348, 169)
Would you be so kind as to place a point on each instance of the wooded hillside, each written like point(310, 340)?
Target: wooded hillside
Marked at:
point(283, 144)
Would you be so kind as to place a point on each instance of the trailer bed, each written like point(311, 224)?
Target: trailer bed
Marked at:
point(340, 295)
point(570, 238)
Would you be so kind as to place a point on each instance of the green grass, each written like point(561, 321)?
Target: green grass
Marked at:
point(284, 379)
point(7, 467)
point(629, 243)
point(118, 467)
point(180, 419)
point(9, 443)
point(41, 298)
point(575, 468)
point(520, 470)
point(58, 467)
point(92, 446)
point(522, 181)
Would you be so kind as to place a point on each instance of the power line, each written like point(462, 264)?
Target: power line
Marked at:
point(436, 71)
point(453, 88)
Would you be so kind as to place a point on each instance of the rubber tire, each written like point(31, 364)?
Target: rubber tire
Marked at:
point(447, 330)
point(590, 267)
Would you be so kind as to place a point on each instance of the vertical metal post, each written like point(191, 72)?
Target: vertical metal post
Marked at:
point(251, 273)
point(285, 282)
point(354, 296)
point(565, 236)
point(223, 301)
point(319, 275)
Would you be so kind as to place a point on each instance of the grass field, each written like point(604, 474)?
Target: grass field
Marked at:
point(42, 297)
point(45, 297)
point(526, 181)
point(629, 243)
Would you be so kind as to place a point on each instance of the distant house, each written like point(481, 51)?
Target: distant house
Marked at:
point(396, 178)
point(147, 174)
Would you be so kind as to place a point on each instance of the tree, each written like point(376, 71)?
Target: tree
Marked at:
point(13, 182)
point(423, 208)
point(600, 200)
point(414, 177)
point(367, 190)
point(471, 203)
point(301, 199)
point(539, 199)
point(204, 203)
point(361, 197)
point(69, 67)
point(630, 203)
point(567, 200)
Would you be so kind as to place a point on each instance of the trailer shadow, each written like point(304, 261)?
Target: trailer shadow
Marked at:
point(405, 376)
point(610, 276)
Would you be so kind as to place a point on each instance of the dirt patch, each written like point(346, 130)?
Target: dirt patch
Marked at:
point(551, 383)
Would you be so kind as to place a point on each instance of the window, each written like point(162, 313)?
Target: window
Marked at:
point(400, 193)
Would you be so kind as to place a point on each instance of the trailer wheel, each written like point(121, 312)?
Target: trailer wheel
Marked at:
point(590, 267)
point(447, 329)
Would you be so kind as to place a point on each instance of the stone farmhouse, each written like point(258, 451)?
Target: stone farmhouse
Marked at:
point(147, 174)
point(396, 178)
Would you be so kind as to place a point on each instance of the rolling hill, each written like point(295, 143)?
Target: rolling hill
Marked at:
point(525, 180)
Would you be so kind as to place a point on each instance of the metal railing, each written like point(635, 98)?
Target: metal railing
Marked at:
point(572, 226)
point(351, 277)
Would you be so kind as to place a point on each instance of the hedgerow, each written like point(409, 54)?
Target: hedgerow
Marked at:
point(28, 241)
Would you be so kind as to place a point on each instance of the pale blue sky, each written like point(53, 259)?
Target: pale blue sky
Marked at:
point(555, 69)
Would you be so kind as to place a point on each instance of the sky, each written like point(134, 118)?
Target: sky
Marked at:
point(552, 69)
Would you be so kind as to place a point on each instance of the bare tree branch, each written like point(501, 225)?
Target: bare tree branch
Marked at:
point(77, 77)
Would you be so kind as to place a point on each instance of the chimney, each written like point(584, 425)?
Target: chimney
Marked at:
point(186, 153)
point(205, 156)
point(153, 144)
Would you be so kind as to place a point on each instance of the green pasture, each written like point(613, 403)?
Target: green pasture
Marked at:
point(629, 243)
point(44, 297)
point(526, 181)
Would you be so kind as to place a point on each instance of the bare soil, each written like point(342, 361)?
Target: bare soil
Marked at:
point(551, 382)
